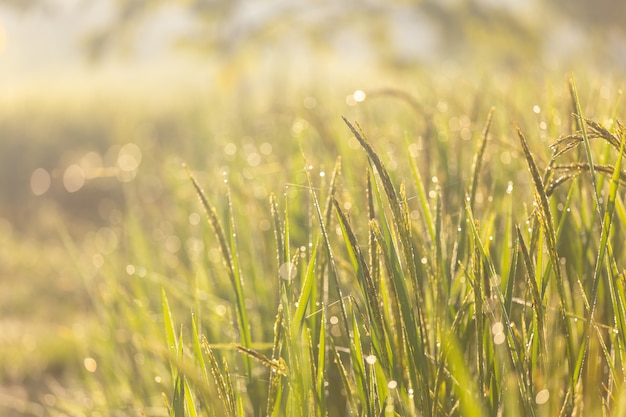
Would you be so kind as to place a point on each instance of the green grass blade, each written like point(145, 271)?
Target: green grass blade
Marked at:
point(222, 381)
point(358, 365)
point(274, 388)
point(178, 402)
point(514, 350)
point(600, 261)
point(349, 387)
point(244, 324)
point(190, 402)
point(400, 220)
point(305, 300)
point(402, 227)
point(278, 232)
point(478, 158)
point(228, 247)
point(332, 188)
point(546, 220)
point(321, 366)
point(368, 286)
point(583, 129)
point(413, 346)
point(180, 395)
point(423, 199)
point(170, 332)
point(197, 350)
point(329, 251)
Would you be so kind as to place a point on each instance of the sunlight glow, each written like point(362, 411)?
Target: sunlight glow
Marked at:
point(3, 39)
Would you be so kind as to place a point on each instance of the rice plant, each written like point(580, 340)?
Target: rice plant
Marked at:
point(478, 274)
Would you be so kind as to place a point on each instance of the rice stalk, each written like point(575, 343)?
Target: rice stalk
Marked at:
point(230, 258)
point(546, 219)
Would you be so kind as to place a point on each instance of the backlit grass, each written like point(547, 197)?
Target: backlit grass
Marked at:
point(441, 250)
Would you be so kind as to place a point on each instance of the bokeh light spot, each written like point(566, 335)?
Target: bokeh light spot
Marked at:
point(129, 157)
point(40, 181)
point(194, 219)
point(287, 271)
point(542, 396)
point(266, 148)
point(90, 364)
point(230, 149)
point(73, 178)
point(359, 96)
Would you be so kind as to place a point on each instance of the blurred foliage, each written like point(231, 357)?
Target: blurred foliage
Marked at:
point(593, 14)
point(228, 28)
point(24, 5)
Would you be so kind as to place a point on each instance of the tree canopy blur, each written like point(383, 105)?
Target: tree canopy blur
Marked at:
point(395, 32)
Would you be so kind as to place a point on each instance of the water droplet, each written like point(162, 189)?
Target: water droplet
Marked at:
point(499, 338)
point(371, 359)
point(90, 364)
point(497, 327)
point(287, 271)
point(542, 396)
point(220, 310)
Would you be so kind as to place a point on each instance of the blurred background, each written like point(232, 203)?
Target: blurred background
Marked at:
point(92, 93)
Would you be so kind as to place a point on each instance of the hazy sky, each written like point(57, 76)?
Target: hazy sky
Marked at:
point(46, 45)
